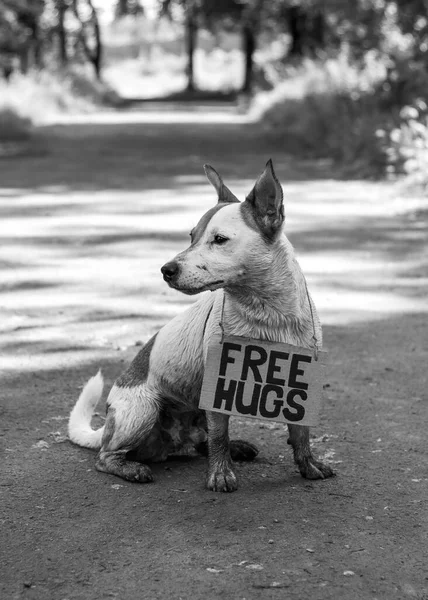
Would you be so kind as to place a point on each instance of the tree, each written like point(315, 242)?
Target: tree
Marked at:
point(244, 15)
point(61, 8)
point(191, 32)
point(190, 10)
point(20, 30)
point(123, 8)
point(90, 34)
point(251, 19)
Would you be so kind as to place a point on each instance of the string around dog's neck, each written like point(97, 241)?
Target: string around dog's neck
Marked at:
point(314, 334)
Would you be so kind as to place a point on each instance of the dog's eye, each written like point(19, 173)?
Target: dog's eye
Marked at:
point(220, 239)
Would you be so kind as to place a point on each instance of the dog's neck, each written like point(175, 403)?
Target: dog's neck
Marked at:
point(274, 305)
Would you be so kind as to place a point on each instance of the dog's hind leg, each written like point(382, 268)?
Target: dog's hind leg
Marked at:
point(240, 450)
point(221, 477)
point(243, 450)
point(309, 467)
point(132, 414)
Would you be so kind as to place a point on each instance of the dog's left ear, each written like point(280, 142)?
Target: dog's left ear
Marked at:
point(266, 202)
point(224, 194)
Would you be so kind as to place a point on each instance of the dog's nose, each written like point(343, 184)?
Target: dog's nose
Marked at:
point(170, 270)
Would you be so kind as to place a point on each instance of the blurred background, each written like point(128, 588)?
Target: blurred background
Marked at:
point(335, 79)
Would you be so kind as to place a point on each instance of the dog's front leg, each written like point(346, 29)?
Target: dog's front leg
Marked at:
point(221, 477)
point(309, 467)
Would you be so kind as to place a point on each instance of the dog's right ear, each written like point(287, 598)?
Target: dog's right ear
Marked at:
point(224, 194)
point(266, 203)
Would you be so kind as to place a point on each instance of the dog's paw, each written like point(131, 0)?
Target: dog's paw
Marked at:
point(141, 474)
point(222, 481)
point(315, 469)
point(242, 450)
point(129, 470)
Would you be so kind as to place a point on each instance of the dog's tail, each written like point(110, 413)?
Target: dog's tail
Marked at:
point(80, 431)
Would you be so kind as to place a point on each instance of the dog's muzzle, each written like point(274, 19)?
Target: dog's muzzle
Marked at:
point(170, 271)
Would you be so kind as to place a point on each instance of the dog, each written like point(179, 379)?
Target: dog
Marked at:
point(240, 253)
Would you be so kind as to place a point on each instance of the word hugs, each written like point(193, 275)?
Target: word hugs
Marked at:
point(263, 380)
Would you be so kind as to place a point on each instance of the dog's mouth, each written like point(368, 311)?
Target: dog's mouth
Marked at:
point(192, 291)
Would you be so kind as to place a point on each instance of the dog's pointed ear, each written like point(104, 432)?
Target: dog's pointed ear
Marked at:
point(266, 202)
point(224, 194)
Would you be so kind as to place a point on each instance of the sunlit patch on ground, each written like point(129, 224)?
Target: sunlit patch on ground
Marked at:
point(80, 258)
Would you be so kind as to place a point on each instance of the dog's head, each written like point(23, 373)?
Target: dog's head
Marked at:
point(233, 242)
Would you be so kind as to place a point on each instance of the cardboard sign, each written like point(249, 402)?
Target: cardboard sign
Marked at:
point(263, 380)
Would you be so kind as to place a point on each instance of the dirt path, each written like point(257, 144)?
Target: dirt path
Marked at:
point(85, 225)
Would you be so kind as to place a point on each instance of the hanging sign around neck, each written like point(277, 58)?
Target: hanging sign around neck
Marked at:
point(264, 380)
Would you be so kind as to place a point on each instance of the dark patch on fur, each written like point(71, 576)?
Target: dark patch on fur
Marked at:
point(199, 230)
point(175, 432)
point(263, 208)
point(247, 213)
point(240, 450)
point(137, 372)
point(109, 426)
point(253, 221)
point(116, 463)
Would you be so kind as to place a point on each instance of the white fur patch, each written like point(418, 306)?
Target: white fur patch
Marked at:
point(79, 425)
point(177, 357)
point(135, 412)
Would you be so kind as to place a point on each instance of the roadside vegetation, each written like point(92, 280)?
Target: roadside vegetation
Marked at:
point(366, 111)
point(345, 82)
point(347, 112)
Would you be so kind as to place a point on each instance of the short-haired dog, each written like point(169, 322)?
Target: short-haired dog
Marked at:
point(240, 253)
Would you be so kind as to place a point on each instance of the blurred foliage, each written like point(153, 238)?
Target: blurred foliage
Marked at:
point(37, 96)
point(124, 8)
point(329, 109)
point(45, 33)
point(407, 145)
point(346, 80)
point(13, 127)
point(358, 99)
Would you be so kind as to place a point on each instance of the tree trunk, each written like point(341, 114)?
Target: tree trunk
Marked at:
point(122, 8)
point(93, 54)
point(318, 29)
point(249, 42)
point(62, 34)
point(316, 33)
point(24, 59)
point(191, 32)
point(98, 52)
point(37, 44)
point(296, 19)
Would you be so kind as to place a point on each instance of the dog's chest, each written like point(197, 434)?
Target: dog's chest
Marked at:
point(274, 330)
point(260, 321)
